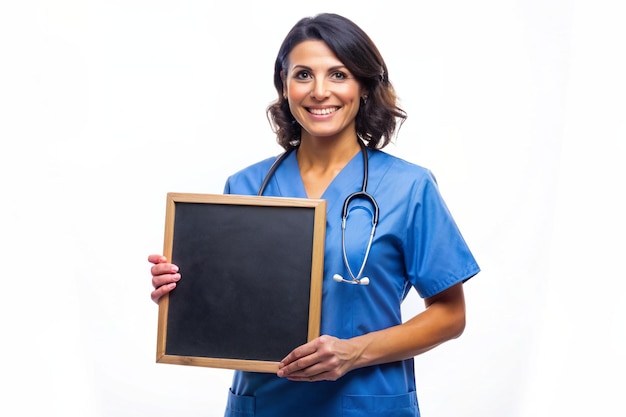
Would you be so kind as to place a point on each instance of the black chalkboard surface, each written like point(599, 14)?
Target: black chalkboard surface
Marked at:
point(251, 270)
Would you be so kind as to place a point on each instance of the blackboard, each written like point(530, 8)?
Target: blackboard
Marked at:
point(251, 270)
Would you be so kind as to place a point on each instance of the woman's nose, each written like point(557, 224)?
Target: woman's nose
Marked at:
point(319, 89)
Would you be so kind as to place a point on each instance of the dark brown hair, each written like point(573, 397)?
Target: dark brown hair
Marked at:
point(379, 115)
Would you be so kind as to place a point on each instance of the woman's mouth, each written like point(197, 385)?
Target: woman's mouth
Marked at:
point(323, 112)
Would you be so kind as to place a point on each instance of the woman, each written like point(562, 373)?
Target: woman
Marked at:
point(335, 110)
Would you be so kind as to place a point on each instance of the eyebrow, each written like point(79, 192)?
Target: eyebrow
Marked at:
point(331, 69)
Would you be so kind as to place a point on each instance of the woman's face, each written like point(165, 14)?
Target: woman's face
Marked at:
point(324, 97)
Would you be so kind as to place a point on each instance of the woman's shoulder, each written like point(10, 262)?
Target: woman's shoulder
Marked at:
point(247, 180)
point(398, 167)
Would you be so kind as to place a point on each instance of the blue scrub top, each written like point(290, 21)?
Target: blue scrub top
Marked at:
point(417, 244)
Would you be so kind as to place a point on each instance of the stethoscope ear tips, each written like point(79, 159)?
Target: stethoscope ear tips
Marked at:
point(337, 278)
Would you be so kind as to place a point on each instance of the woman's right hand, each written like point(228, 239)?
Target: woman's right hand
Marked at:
point(164, 276)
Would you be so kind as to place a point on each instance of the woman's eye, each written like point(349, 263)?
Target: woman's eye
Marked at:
point(339, 76)
point(303, 75)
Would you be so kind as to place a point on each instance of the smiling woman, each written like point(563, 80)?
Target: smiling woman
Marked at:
point(324, 97)
point(335, 102)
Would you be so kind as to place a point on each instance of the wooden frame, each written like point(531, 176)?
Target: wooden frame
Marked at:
point(251, 282)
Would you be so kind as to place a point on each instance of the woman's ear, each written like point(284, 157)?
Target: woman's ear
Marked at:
point(364, 94)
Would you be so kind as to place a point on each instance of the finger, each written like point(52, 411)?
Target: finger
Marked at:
point(304, 366)
point(156, 259)
point(315, 372)
point(297, 353)
point(164, 279)
point(161, 291)
point(163, 269)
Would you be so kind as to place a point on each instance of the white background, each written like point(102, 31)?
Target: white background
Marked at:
point(517, 106)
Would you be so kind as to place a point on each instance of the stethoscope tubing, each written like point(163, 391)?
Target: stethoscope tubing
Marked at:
point(362, 194)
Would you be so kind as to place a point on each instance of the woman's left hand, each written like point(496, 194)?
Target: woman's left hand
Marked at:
point(325, 358)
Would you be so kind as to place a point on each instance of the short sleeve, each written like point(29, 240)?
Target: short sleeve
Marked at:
point(436, 255)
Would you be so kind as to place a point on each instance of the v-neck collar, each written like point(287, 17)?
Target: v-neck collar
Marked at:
point(347, 181)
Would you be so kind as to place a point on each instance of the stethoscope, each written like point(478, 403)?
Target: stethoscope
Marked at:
point(363, 194)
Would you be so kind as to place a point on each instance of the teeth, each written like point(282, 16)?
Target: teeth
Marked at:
point(323, 111)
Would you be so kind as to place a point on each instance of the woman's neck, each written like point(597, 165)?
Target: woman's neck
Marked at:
point(321, 159)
